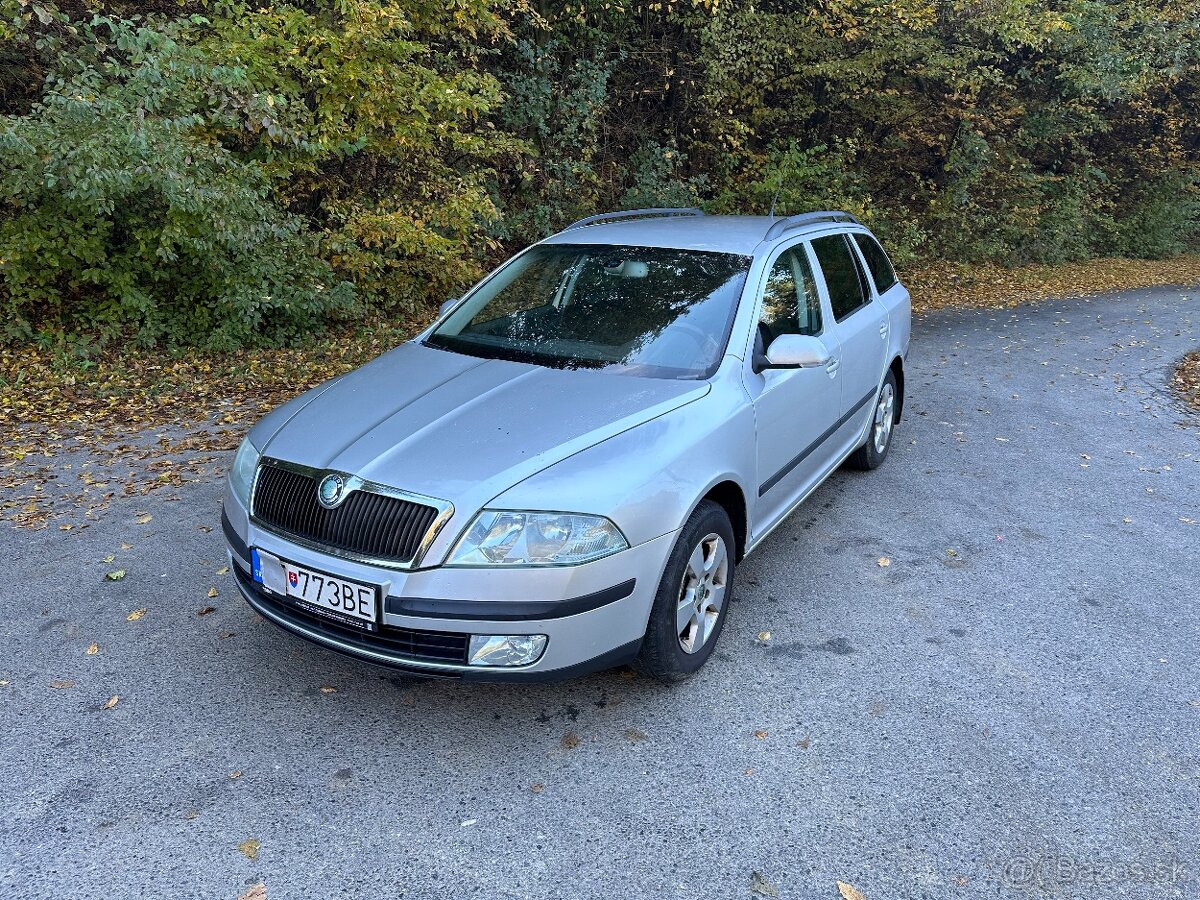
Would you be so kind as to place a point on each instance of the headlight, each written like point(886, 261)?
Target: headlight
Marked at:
point(241, 476)
point(506, 538)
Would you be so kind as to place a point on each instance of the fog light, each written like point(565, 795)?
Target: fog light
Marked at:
point(506, 649)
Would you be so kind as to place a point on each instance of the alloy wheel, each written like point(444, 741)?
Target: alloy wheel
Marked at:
point(702, 592)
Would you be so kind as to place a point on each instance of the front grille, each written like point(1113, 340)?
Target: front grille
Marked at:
point(365, 523)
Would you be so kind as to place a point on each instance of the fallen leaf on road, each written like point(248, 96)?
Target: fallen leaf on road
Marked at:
point(93, 649)
point(225, 634)
point(258, 892)
point(884, 562)
point(6, 683)
point(127, 546)
point(136, 614)
point(116, 575)
point(234, 776)
point(109, 558)
point(537, 788)
point(764, 636)
point(634, 734)
point(759, 885)
point(570, 740)
point(212, 592)
point(468, 822)
point(205, 610)
point(850, 892)
point(802, 744)
point(144, 519)
point(224, 570)
point(760, 734)
point(111, 702)
point(62, 683)
point(328, 690)
point(249, 848)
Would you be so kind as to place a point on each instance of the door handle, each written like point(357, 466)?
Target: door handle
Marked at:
point(832, 366)
point(883, 330)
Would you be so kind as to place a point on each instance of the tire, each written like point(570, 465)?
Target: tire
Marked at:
point(690, 607)
point(879, 434)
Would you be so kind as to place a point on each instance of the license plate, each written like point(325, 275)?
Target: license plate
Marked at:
point(348, 602)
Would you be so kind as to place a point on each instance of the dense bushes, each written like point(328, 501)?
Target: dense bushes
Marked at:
point(226, 173)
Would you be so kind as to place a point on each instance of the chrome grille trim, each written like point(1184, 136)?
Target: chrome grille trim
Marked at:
point(354, 484)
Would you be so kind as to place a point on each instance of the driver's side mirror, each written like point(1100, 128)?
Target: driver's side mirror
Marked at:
point(794, 351)
point(447, 306)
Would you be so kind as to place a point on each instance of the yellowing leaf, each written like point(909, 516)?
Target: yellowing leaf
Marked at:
point(224, 570)
point(763, 888)
point(760, 734)
point(144, 519)
point(884, 562)
point(212, 592)
point(93, 649)
point(328, 690)
point(850, 892)
point(61, 684)
point(115, 575)
point(249, 848)
point(111, 702)
point(135, 615)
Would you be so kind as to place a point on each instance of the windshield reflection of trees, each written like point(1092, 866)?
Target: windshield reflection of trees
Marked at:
point(617, 311)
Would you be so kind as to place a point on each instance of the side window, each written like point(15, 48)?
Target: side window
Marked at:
point(846, 292)
point(882, 272)
point(790, 304)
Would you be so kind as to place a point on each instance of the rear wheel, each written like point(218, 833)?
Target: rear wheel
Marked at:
point(693, 597)
point(879, 435)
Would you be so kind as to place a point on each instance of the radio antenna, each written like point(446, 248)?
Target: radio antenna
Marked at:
point(774, 200)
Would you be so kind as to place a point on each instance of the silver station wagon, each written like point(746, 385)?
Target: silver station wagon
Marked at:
point(562, 473)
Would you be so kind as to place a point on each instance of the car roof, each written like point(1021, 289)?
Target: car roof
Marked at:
point(721, 234)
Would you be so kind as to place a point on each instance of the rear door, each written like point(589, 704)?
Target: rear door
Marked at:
point(795, 410)
point(860, 322)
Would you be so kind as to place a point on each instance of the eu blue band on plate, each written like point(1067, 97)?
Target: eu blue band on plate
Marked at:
point(255, 566)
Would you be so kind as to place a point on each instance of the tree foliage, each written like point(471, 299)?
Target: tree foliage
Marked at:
point(225, 173)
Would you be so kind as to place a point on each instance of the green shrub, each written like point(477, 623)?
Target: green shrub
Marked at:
point(120, 212)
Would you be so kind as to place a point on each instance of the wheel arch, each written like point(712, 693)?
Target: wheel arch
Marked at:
point(728, 494)
point(897, 370)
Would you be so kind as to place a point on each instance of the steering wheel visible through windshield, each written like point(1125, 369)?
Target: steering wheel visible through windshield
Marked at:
point(650, 311)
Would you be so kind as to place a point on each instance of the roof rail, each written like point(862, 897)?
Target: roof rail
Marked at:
point(637, 214)
point(809, 218)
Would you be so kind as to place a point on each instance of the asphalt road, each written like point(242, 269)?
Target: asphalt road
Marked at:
point(1011, 708)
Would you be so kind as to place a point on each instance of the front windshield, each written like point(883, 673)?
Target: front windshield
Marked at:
point(650, 311)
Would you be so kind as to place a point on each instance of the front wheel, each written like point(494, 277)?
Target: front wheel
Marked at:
point(879, 435)
point(693, 597)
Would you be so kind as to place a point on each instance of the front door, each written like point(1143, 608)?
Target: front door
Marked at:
point(794, 409)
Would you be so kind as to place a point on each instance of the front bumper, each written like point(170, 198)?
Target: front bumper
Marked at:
point(593, 615)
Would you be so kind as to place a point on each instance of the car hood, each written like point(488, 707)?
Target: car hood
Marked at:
point(464, 429)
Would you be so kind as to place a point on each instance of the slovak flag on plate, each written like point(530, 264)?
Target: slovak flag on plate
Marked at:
point(293, 579)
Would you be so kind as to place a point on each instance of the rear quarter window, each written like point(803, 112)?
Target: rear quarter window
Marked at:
point(882, 272)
